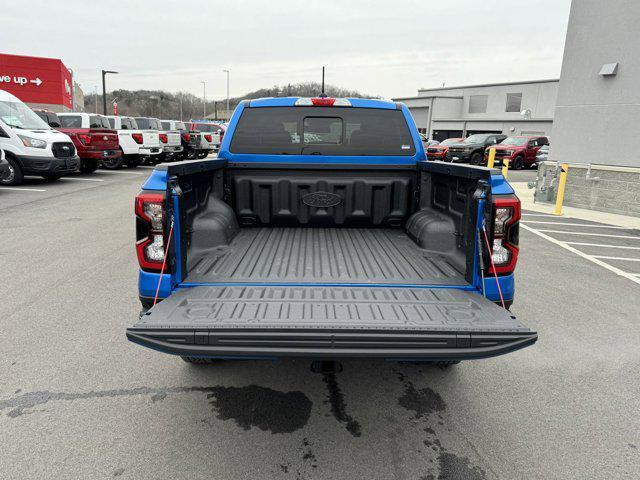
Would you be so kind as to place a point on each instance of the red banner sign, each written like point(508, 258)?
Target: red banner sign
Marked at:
point(36, 80)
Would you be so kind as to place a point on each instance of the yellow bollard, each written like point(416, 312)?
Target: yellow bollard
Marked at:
point(564, 168)
point(505, 167)
point(492, 157)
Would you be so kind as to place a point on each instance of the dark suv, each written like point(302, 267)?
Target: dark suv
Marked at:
point(471, 149)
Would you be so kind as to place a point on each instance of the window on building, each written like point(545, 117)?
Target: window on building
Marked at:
point(478, 103)
point(514, 102)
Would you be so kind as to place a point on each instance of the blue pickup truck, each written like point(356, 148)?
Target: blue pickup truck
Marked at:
point(321, 231)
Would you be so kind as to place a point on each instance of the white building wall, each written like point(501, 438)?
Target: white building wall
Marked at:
point(597, 117)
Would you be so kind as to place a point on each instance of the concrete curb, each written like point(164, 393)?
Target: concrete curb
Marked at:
point(525, 195)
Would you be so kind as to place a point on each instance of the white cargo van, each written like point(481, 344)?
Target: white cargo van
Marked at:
point(31, 146)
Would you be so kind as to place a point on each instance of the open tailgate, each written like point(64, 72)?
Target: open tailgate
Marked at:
point(330, 322)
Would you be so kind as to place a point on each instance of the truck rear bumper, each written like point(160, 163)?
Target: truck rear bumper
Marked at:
point(327, 345)
point(100, 154)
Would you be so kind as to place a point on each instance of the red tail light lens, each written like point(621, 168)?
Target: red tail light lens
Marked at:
point(506, 228)
point(323, 102)
point(208, 138)
point(84, 138)
point(137, 137)
point(163, 138)
point(150, 222)
point(186, 137)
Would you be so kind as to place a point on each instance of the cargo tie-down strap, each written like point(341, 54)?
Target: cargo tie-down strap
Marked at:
point(164, 261)
point(493, 267)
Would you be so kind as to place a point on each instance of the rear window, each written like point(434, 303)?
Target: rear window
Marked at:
point(322, 131)
point(129, 124)
point(71, 121)
point(166, 125)
point(112, 122)
point(98, 121)
point(143, 123)
point(203, 127)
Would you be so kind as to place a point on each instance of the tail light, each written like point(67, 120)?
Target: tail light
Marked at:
point(137, 137)
point(506, 227)
point(208, 138)
point(163, 138)
point(186, 137)
point(84, 138)
point(150, 223)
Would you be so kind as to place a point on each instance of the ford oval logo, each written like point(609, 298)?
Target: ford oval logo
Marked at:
point(322, 199)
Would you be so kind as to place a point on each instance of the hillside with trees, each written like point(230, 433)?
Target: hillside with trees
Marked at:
point(161, 104)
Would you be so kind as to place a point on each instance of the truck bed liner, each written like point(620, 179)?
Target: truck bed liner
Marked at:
point(324, 255)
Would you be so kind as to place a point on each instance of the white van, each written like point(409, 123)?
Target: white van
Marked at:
point(30, 145)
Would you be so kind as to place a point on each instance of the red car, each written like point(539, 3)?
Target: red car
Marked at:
point(520, 150)
point(439, 152)
point(90, 133)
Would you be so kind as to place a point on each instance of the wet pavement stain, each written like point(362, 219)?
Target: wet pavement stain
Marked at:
point(453, 467)
point(422, 401)
point(264, 408)
point(338, 406)
point(308, 455)
point(18, 404)
point(427, 404)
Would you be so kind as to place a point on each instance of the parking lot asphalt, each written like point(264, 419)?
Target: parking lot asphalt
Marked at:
point(78, 401)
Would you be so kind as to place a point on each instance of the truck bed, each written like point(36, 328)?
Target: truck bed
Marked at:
point(324, 255)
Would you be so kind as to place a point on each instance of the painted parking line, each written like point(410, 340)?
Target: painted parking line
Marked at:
point(578, 225)
point(539, 215)
point(80, 179)
point(636, 237)
point(627, 259)
point(123, 172)
point(23, 189)
point(600, 245)
point(630, 276)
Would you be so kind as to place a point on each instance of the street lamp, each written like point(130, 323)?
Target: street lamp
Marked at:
point(104, 90)
point(204, 99)
point(227, 72)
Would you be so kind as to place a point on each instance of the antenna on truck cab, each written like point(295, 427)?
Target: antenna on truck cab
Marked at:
point(322, 94)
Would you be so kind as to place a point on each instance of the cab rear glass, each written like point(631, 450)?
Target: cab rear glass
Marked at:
point(342, 131)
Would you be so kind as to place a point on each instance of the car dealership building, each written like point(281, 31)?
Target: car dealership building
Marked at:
point(515, 108)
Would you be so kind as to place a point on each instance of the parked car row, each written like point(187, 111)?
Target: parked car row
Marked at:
point(50, 145)
point(520, 150)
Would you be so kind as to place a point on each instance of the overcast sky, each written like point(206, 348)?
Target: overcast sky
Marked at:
point(389, 48)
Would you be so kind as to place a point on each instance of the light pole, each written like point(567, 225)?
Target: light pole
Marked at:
point(227, 72)
point(204, 99)
point(104, 90)
point(95, 87)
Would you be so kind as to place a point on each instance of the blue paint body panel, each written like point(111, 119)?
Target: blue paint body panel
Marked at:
point(148, 283)
point(156, 181)
point(500, 186)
